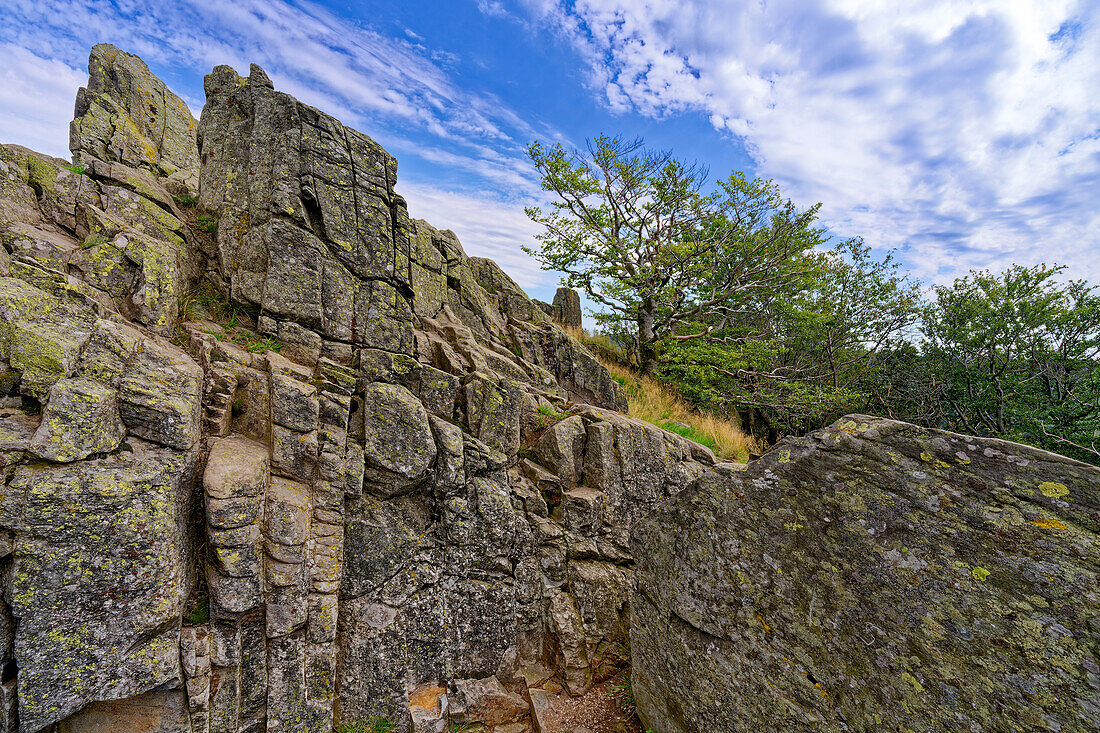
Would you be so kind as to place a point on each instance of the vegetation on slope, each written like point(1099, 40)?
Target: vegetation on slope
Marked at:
point(655, 403)
point(742, 306)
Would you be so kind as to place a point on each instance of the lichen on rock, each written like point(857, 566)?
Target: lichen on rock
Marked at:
point(284, 458)
point(871, 574)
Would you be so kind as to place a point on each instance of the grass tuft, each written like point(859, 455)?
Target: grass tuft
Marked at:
point(207, 223)
point(93, 240)
point(655, 403)
point(237, 322)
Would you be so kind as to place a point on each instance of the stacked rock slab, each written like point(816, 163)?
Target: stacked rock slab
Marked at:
point(874, 576)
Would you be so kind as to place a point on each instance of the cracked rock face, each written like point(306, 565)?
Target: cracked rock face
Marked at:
point(128, 115)
point(874, 574)
point(275, 456)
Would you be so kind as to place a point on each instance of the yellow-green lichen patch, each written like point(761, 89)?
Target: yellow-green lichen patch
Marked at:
point(1053, 489)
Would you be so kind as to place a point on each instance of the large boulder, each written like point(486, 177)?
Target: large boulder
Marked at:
point(101, 569)
point(874, 575)
point(128, 115)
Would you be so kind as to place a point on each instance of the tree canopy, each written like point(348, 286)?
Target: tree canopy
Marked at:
point(737, 299)
point(636, 231)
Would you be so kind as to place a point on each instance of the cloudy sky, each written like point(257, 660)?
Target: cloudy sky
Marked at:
point(962, 133)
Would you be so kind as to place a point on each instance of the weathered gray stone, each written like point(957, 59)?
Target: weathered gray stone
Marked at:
point(399, 445)
point(561, 449)
point(293, 454)
point(486, 701)
point(102, 552)
point(868, 575)
point(572, 659)
point(39, 335)
point(160, 395)
point(294, 403)
point(126, 114)
point(236, 467)
point(162, 711)
point(80, 418)
point(566, 308)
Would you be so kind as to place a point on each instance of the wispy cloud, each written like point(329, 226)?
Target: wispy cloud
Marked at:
point(965, 133)
point(394, 88)
point(36, 100)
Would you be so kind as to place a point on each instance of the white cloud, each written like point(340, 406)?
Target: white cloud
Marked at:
point(36, 100)
point(963, 131)
point(485, 226)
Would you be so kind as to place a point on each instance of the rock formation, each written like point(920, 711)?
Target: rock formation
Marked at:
point(874, 576)
point(277, 457)
point(387, 473)
point(566, 308)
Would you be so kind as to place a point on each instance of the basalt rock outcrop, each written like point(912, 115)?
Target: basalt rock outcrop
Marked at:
point(874, 576)
point(277, 457)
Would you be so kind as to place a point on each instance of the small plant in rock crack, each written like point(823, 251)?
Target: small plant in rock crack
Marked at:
point(75, 168)
point(623, 693)
point(93, 240)
point(548, 415)
point(186, 201)
point(207, 223)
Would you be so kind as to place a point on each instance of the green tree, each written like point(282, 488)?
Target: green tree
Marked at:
point(634, 229)
point(1018, 357)
point(807, 355)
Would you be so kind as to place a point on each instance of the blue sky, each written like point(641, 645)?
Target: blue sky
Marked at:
point(963, 134)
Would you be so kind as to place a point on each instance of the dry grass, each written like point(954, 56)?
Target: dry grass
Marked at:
point(651, 401)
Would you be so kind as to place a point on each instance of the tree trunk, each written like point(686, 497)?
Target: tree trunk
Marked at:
point(647, 356)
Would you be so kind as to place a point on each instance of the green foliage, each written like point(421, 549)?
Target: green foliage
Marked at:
point(635, 230)
point(199, 613)
point(237, 321)
point(75, 168)
point(189, 202)
point(207, 223)
point(373, 725)
point(255, 344)
point(689, 432)
point(548, 415)
point(622, 692)
point(93, 240)
point(1013, 355)
point(804, 356)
